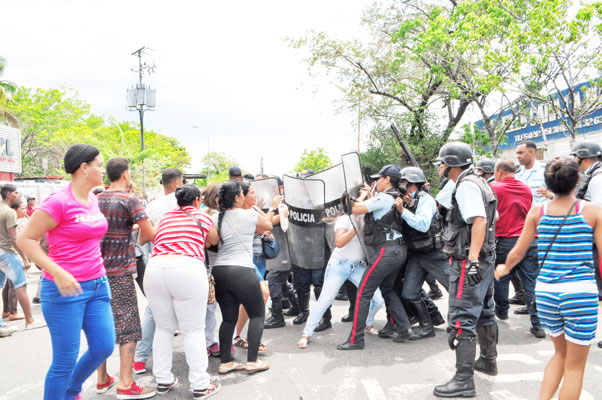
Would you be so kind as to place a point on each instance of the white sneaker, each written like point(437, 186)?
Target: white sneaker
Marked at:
point(35, 325)
point(7, 330)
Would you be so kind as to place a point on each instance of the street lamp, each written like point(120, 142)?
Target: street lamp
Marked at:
point(118, 127)
point(141, 99)
point(207, 133)
point(330, 64)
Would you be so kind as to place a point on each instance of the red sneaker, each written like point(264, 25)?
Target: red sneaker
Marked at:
point(213, 350)
point(139, 367)
point(136, 392)
point(103, 387)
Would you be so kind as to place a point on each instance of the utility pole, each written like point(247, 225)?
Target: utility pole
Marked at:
point(142, 99)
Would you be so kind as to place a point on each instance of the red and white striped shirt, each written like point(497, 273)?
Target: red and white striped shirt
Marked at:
point(179, 234)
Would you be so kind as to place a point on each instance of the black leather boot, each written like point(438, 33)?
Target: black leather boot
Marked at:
point(293, 310)
point(303, 308)
point(426, 328)
point(462, 384)
point(519, 291)
point(435, 293)
point(410, 311)
point(325, 321)
point(436, 317)
point(387, 331)
point(402, 336)
point(487, 337)
point(277, 319)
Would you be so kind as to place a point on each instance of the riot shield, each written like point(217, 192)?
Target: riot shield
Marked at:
point(282, 262)
point(354, 181)
point(306, 231)
point(265, 190)
point(334, 187)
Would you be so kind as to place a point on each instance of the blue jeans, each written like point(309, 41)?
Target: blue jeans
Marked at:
point(66, 317)
point(337, 272)
point(528, 269)
point(419, 265)
point(11, 267)
point(260, 265)
point(144, 347)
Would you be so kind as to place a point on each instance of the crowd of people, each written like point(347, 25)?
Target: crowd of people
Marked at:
point(192, 252)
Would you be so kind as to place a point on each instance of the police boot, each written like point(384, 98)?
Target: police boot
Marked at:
point(387, 331)
point(487, 337)
point(436, 317)
point(286, 304)
point(303, 308)
point(462, 384)
point(426, 328)
point(325, 321)
point(277, 319)
point(293, 310)
point(435, 293)
point(410, 311)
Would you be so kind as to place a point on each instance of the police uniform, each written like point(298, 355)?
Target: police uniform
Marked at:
point(390, 255)
point(471, 306)
point(422, 233)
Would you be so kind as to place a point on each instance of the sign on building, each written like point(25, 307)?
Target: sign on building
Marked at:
point(10, 149)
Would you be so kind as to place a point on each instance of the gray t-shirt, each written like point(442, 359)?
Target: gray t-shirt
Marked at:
point(233, 249)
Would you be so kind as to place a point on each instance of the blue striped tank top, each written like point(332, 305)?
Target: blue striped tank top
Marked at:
point(570, 258)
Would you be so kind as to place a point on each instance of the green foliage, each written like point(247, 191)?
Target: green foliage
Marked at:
point(7, 90)
point(217, 166)
point(52, 120)
point(316, 159)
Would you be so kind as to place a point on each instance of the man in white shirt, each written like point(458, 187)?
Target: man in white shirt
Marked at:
point(531, 171)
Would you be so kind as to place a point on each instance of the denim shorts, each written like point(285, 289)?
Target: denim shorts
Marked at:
point(11, 267)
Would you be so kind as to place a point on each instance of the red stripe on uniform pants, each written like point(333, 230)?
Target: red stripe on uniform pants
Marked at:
point(359, 293)
point(460, 289)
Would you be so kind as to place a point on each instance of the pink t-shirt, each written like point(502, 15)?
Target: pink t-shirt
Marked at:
point(74, 243)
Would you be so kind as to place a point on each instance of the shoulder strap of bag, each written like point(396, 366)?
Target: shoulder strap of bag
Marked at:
point(195, 219)
point(238, 236)
point(557, 232)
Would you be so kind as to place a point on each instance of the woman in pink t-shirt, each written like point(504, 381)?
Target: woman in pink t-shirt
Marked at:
point(75, 292)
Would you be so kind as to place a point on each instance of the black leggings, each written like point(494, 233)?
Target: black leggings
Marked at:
point(235, 285)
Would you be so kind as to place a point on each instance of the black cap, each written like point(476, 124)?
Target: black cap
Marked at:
point(235, 172)
point(249, 177)
point(79, 154)
point(388, 170)
point(586, 149)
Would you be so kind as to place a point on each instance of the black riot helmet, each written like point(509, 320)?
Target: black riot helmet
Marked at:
point(486, 165)
point(390, 170)
point(586, 149)
point(413, 175)
point(455, 154)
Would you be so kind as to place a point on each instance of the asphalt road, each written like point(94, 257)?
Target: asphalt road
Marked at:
point(384, 370)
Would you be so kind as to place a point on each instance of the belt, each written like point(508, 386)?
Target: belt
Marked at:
point(389, 243)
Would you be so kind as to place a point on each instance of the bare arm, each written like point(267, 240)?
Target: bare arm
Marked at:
point(29, 240)
point(147, 231)
point(359, 208)
point(212, 236)
point(263, 224)
point(343, 236)
point(522, 244)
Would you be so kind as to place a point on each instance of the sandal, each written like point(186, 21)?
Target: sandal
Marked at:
point(372, 330)
point(240, 342)
point(224, 368)
point(257, 366)
point(206, 393)
point(302, 344)
point(262, 349)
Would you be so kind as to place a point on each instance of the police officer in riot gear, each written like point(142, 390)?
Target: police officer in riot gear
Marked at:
point(382, 232)
point(588, 155)
point(422, 227)
point(469, 239)
point(485, 167)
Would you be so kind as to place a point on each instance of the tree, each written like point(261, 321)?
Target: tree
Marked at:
point(217, 166)
point(316, 160)
point(52, 120)
point(7, 90)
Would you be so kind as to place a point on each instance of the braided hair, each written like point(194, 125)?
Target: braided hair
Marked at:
point(227, 199)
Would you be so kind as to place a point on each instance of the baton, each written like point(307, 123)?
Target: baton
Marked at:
point(403, 144)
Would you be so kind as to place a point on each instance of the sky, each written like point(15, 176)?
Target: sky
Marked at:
point(224, 67)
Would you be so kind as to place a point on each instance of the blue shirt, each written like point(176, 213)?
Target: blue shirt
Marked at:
point(426, 210)
point(379, 205)
point(534, 178)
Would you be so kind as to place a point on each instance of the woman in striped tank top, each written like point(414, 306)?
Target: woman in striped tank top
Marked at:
point(566, 291)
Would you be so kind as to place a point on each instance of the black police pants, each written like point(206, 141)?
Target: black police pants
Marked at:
point(381, 274)
point(419, 265)
point(471, 305)
point(279, 285)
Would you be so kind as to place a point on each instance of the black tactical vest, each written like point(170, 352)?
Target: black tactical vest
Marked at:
point(377, 231)
point(456, 234)
point(423, 242)
point(586, 178)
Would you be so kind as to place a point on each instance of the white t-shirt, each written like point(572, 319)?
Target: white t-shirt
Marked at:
point(470, 201)
point(160, 206)
point(233, 249)
point(352, 251)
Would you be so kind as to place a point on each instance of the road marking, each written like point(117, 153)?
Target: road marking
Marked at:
point(503, 395)
point(524, 358)
point(373, 389)
point(546, 352)
point(508, 378)
point(348, 387)
point(407, 391)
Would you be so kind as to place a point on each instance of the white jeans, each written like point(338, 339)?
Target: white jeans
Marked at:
point(177, 289)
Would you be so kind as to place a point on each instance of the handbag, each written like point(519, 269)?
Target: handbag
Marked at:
point(270, 245)
point(210, 279)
